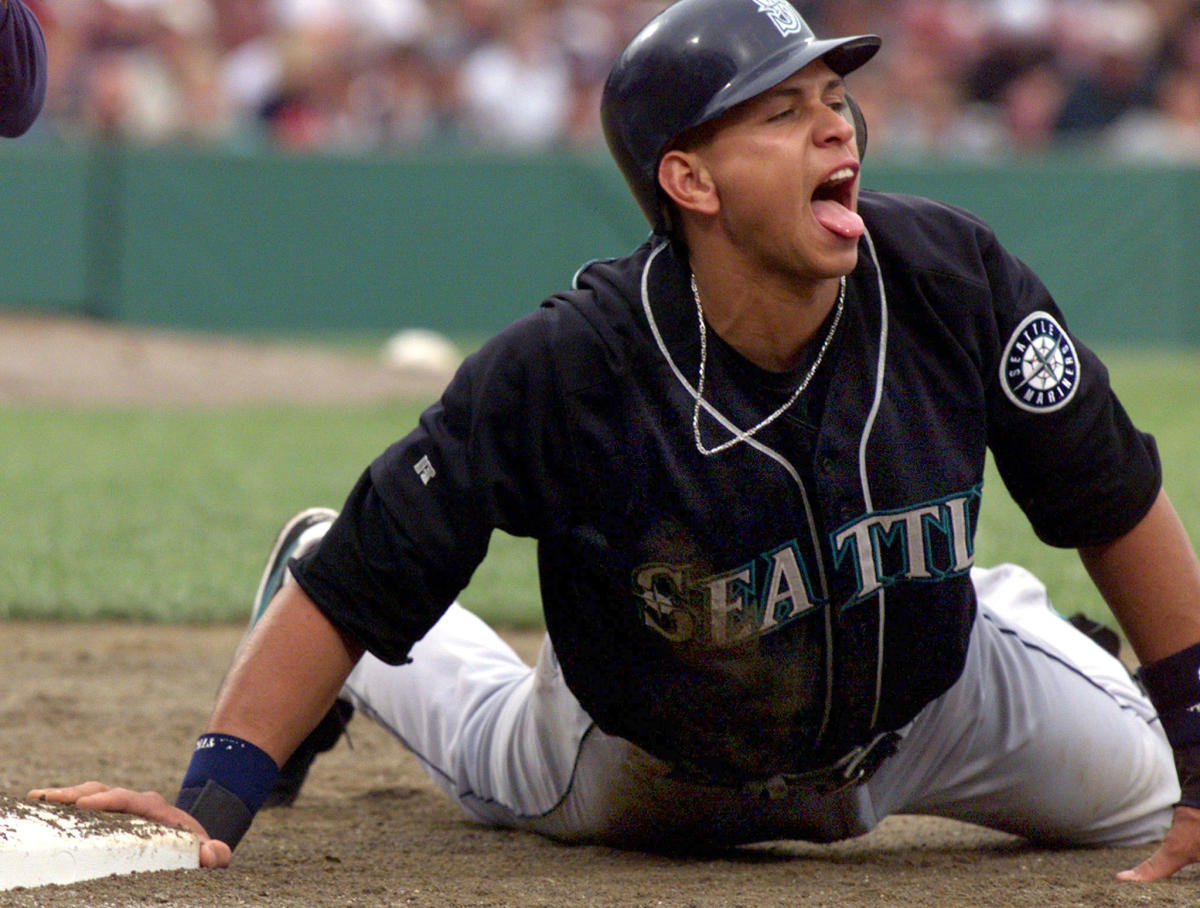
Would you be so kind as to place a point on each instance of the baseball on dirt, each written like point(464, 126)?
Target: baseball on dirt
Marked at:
point(420, 350)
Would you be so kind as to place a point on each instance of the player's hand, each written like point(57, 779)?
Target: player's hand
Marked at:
point(1180, 847)
point(149, 805)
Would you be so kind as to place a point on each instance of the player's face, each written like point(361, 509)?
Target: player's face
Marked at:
point(785, 167)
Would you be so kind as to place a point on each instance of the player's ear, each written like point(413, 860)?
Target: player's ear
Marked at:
point(687, 182)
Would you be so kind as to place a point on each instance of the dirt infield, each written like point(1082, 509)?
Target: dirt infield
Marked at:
point(74, 362)
point(123, 703)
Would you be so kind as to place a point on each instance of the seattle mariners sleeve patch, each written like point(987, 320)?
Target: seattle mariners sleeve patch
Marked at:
point(1039, 370)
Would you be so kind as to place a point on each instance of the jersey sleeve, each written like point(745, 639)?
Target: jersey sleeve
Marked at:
point(1064, 445)
point(22, 68)
point(419, 519)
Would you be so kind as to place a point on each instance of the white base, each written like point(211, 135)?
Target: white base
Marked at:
point(43, 843)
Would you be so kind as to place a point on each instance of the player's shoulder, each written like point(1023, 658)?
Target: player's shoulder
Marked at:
point(608, 289)
point(927, 235)
point(897, 210)
point(581, 333)
point(598, 324)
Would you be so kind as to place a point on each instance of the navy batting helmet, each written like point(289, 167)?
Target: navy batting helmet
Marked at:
point(696, 60)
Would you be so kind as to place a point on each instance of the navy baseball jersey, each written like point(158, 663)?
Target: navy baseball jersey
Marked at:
point(765, 608)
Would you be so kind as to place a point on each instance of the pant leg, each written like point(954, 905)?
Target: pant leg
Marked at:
point(1045, 735)
point(499, 737)
point(512, 746)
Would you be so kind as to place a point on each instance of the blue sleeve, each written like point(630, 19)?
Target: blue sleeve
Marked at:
point(22, 68)
point(418, 523)
point(1064, 445)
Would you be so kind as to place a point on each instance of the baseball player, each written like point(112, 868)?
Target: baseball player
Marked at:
point(752, 454)
point(22, 68)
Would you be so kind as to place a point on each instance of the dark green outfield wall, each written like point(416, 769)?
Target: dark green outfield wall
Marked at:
point(464, 244)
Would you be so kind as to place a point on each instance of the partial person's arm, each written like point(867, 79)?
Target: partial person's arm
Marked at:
point(284, 678)
point(1150, 578)
point(22, 68)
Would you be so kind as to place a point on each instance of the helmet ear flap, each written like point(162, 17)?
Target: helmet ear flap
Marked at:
point(855, 116)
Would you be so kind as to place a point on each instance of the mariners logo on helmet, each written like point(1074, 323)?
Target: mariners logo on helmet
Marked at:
point(1039, 370)
point(783, 15)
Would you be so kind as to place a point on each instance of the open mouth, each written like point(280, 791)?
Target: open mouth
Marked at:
point(832, 204)
point(837, 186)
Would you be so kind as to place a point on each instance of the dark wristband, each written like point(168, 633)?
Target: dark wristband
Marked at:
point(226, 783)
point(1173, 686)
point(223, 814)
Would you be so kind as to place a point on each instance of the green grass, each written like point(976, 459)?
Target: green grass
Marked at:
point(166, 516)
point(162, 514)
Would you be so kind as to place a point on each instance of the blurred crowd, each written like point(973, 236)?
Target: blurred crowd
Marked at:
point(957, 78)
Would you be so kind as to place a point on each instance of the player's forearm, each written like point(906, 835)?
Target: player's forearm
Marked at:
point(285, 676)
point(1150, 578)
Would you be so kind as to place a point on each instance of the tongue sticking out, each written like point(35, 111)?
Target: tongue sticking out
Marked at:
point(839, 219)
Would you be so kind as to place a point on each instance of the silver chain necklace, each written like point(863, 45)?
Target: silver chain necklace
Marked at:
point(741, 436)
